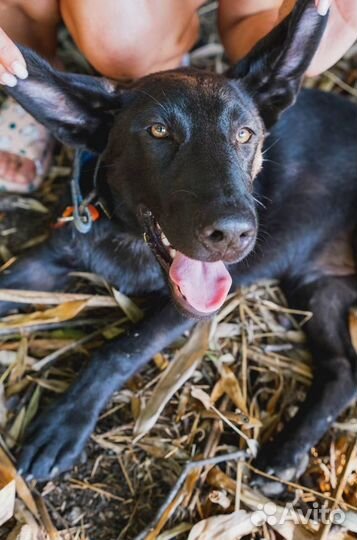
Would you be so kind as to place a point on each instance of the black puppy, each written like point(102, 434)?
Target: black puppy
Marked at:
point(181, 161)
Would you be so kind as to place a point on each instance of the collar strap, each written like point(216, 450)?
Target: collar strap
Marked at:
point(84, 211)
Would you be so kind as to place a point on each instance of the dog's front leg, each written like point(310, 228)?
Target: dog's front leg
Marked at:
point(44, 268)
point(57, 437)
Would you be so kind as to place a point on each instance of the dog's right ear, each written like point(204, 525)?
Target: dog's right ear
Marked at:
point(77, 109)
point(273, 71)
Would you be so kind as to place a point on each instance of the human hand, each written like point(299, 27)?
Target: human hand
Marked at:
point(12, 63)
point(340, 34)
point(323, 6)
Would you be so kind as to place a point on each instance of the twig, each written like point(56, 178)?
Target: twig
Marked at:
point(340, 489)
point(44, 363)
point(346, 87)
point(240, 454)
point(37, 495)
point(27, 330)
point(240, 465)
point(297, 486)
point(52, 298)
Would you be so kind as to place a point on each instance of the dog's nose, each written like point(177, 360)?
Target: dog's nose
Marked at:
point(228, 236)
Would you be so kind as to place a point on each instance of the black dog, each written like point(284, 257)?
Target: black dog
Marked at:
point(179, 153)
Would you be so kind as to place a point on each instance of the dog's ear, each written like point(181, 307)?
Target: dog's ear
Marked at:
point(77, 109)
point(272, 72)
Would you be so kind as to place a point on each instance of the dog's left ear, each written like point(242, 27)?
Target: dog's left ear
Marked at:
point(272, 72)
point(77, 109)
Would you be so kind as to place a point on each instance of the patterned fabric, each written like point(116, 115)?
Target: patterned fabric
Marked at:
point(22, 135)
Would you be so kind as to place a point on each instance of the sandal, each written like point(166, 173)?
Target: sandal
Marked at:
point(29, 146)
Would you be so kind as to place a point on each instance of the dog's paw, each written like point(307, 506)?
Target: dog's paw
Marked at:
point(282, 462)
point(55, 441)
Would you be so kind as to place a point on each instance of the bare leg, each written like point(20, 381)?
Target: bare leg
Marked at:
point(132, 39)
point(244, 22)
point(31, 23)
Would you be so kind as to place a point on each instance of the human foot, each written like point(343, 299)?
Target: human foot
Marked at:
point(25, 149)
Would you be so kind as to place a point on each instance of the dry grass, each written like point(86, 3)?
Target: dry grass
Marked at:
point(240, 378)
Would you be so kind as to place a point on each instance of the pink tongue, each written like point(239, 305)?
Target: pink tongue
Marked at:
point(204, 285)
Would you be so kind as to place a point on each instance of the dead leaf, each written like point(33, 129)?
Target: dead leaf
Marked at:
point(19, 367)
point(131, 310)
point(221, 498)
point(22, 490)
point(32, 407)
point(63, 312)
point(26, 533)
point(30, 529)
point(202, 396)
point(179, 371)
point(7, 358)
point(186, 492)
point(232, 387)
point(27, 203)
point(54, 298)
point(161, 361)
point(175, 532)
point(218, 479)
point(256, 501)
point(46, 520)
point(273, 401)
point(223, 527)
point(3, 408)
point(7, 493)
point(15, 432)
point(353, 327)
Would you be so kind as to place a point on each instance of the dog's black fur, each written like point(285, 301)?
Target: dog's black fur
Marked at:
point(304, 199)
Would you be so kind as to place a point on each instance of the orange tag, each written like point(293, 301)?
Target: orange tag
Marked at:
point(68, 213)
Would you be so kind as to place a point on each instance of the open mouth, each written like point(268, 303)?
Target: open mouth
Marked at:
point(199, 288)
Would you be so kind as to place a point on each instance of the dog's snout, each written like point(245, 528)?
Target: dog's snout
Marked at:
point(228, 236)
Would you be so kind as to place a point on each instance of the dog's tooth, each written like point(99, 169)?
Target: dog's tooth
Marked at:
point(172, 252)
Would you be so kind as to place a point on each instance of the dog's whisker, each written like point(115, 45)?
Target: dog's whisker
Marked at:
point(271, 146)
point(154, 99)
point(259, 202)
point(266, 160)
point(189, 192)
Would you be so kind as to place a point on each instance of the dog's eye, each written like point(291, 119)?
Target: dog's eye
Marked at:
point(159, 131)
point(244, 135)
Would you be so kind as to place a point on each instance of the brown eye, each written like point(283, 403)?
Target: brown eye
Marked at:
point(159, 131)
point(244, 135)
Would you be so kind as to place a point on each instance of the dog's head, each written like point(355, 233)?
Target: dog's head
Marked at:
point(181, 148)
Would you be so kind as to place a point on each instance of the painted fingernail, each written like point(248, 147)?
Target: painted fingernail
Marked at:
point(323, 7)
point(8, 79)
point(19, 70)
